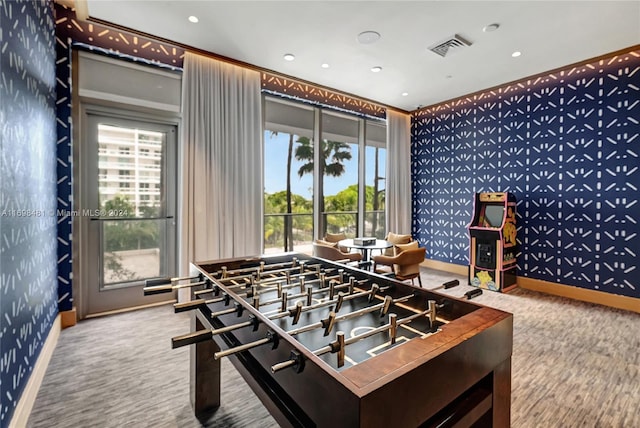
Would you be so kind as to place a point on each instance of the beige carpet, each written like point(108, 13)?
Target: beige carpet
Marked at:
point(574, 365)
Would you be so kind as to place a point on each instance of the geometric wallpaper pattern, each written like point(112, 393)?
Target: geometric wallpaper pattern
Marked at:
point(28, 237)
point(567, 145)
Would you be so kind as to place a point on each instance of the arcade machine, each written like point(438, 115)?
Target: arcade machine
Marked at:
point(493, 241)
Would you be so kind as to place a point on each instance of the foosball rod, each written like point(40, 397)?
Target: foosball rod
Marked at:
point(392, 327)
point(274, 339)
point(224, 270)
point(195, 304)
point(248, 273)
point(295, 311)
point(257, 271)
point(167, 280)
point(168, 288)
point(339, 345)
point(279, 286)
point(206, 334)
point(253, 292)
point(302, 268)
point(250, 279)
point(350, 284)
point(331, 289)
point(271, 337)
point(329, 322)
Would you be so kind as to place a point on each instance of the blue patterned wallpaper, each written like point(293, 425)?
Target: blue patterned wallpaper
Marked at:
point(64, 170)
point(28, 236)
point(567, 145)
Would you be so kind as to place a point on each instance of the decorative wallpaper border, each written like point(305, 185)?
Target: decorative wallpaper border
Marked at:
point(115, 41)
point(314, 94)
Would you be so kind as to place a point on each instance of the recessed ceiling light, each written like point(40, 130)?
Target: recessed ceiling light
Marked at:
point(376, 69)
point(193, 19)
point(368, 37)
point(491, 27)
point(404, 94)
point(516, 54)
point(325, 65)
point(289, 57)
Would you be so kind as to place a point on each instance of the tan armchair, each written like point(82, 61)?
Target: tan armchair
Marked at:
point(334, 238)
point(404, 266)
point(331, 252)
point(396, 239)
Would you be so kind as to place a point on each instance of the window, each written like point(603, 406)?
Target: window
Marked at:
point(134, 239)
point(324, 172)
point(288, 197)
point(375, 179)
point(339, 177)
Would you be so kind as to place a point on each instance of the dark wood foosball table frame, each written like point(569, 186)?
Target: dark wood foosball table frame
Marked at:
point(459, 376)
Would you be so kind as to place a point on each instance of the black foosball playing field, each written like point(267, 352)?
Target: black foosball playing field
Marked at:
point(310, 335)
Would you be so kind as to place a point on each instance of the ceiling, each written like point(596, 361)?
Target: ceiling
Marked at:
point(549, 34)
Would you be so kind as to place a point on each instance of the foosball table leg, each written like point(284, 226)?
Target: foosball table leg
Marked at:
point(204, 376)
point(502, 394)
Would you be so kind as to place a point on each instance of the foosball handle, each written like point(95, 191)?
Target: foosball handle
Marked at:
point(157, 289)
point(187, 306)
point(473, 293)
point(329, 322)
point(157, 281)
point(451, 284)
point(296, 360)
point(191, 338)
point(295, 312)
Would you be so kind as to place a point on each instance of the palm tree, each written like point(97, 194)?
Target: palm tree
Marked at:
point(333, 154)
point(288, 220)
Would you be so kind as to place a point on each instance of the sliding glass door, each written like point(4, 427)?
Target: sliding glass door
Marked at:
point(338, 172)
point(375, 180)
point(288, 193)
point(130, 209)
point(324, 173)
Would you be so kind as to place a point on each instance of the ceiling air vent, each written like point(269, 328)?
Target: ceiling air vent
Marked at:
point(453, 42)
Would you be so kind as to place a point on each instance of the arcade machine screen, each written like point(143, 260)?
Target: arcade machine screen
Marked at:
point(493, 215)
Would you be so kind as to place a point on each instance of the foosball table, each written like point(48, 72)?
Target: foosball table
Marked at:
point(327, 345)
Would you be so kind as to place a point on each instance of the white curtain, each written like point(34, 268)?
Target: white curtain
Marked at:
point(398, 194)
point(221, 159)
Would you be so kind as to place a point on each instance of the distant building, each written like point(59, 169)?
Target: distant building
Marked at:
point(130, 162)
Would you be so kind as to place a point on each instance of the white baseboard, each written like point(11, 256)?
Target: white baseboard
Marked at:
point(27, 399)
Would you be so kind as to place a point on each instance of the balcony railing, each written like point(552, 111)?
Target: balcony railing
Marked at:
point(297, 237)
point(300, 234)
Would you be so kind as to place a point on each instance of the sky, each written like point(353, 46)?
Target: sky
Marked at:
point(275, 177)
